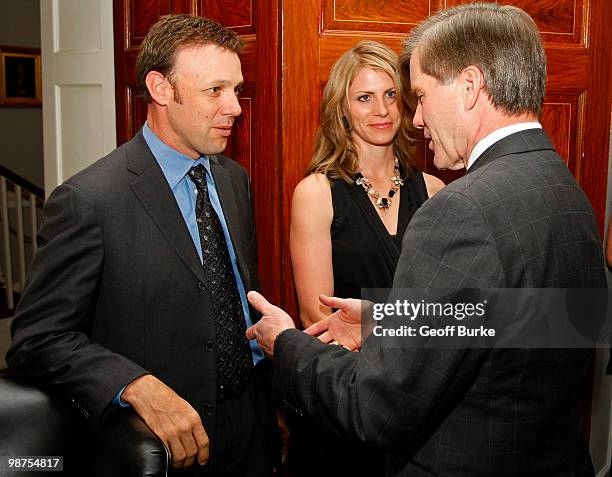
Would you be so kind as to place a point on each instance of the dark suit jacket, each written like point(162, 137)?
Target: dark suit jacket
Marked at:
point(517, 219)
point(117, 289)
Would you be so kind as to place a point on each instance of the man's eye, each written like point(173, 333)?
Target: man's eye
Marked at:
point(214, 89)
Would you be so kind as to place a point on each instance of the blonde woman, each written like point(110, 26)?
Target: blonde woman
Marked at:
point(349, 215)
point(350, 212)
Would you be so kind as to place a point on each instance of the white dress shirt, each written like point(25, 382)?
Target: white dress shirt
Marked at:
point(496, 136)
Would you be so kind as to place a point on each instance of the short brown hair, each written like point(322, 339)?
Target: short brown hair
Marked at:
point(501, 40)
point(335, 154)
point(173, 32)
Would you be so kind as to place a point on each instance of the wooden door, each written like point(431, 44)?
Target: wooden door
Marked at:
point(286, 66)
point(255, 139)
point(576, 113)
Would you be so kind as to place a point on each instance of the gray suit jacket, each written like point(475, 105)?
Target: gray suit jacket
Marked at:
point(117, 289)
point(517, 219)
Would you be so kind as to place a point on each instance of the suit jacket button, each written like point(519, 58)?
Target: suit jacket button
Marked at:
point(209, 409)
point(201, 286)
point(210, 345)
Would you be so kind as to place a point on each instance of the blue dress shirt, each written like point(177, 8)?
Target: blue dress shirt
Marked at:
point(175, 167)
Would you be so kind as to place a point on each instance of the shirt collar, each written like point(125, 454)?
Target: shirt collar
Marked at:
point(173, 164)
point(496, 136)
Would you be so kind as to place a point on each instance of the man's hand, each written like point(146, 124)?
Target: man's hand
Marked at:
point(171, 418)
point(342, 326)
point(271, 324)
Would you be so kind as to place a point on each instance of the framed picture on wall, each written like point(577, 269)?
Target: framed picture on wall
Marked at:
point(20, 83)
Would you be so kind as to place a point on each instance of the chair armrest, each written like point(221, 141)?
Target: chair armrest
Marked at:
point(33, 421)
point(126, 447)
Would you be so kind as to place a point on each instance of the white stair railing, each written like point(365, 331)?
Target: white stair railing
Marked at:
point(14, 238)
point(7, 269)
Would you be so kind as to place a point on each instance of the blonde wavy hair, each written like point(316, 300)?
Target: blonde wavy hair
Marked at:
point(335, 153)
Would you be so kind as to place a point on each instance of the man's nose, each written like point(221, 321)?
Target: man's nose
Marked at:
point(232, 106)
point(417, 119)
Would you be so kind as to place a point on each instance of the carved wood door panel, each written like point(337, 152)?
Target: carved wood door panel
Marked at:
point(577, 47)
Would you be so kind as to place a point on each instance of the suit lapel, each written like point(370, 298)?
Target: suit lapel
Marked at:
point(231, 212)
point(153, 191)
point(519, 142)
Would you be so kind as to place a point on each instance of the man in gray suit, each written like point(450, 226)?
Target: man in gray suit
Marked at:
point(517, 219)
point(137, 294)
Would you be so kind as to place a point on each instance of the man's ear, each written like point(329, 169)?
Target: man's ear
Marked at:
point(159, 88)
point(472, 82)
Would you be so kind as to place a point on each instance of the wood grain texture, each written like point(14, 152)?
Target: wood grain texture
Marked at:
point(557, 120)
point(563, 114)
point(559, 21)
point(136, 110)
point(140, 15)
point(594, 133)
point(300, 96)
point(267, 165)
point(240, 145)
point(124, 75)
point(239, 15)
point(368, 16)
point(248, 58)
point(568, 68)
point(132, 19)
point(332, 47)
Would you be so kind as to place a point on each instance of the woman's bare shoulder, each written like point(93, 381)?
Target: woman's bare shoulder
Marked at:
point(313, 187)
point(433, 184)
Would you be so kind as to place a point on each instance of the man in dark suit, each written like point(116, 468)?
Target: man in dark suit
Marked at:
point(137, 296)
point(517, 219)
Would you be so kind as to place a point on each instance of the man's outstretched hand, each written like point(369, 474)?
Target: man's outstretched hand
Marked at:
point(341, 327)
point(272, 323)
point(171, 418)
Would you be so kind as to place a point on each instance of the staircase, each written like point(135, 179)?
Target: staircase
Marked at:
point(20, 207)
point(5, 311)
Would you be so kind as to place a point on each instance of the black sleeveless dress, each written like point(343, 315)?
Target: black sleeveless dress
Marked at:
point(364, 255)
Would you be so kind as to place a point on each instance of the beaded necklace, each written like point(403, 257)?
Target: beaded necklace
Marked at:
point(382, 202)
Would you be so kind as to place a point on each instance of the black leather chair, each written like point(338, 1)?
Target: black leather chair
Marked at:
point(35, 422)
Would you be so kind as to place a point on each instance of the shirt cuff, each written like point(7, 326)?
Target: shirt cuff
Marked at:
point(117, 399)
